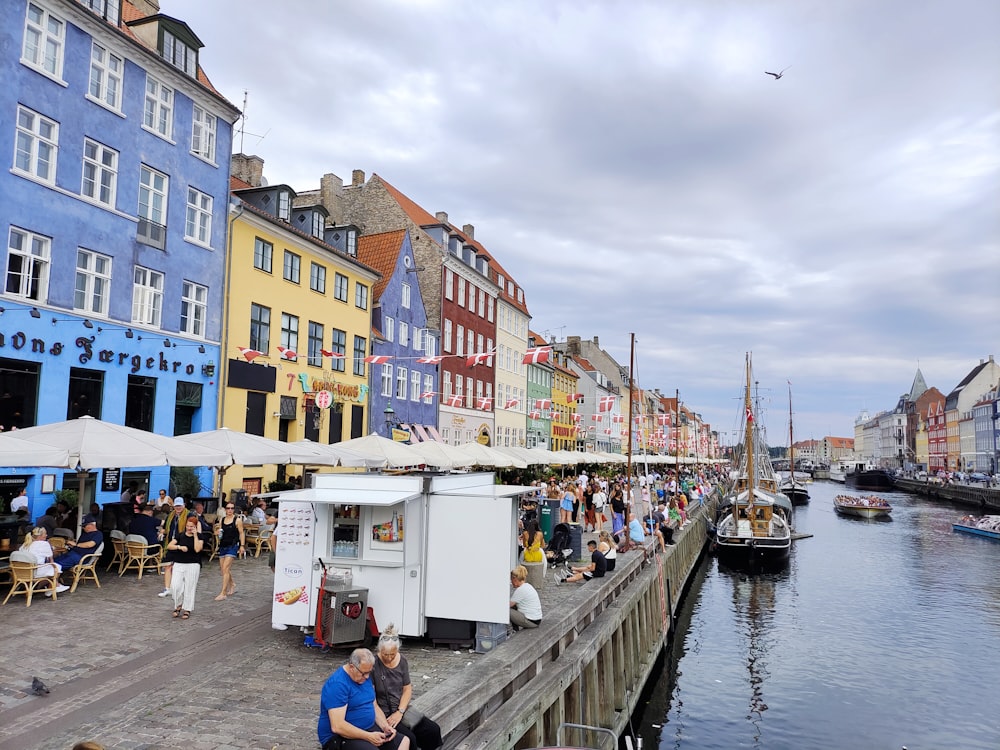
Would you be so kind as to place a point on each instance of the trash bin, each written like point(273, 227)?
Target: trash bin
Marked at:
point(576, 541)
point(545, 514)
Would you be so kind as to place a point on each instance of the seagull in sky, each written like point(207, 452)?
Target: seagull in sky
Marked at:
point(777, 75)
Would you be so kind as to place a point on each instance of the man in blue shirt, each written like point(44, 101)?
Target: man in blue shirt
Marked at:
point(349, 717)
point(146, 526)
point(90, 539)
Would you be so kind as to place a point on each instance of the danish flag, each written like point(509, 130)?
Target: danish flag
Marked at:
point(571, 397)
point(377, 359)
point(607, 403)
point(535, 414)
point(749, 414)
point(543, 403)
point(607, 430)
point(618, 419)
point(290, 354)
point(436, 359)
point(486, 403)
point(663, 419)
point(637, 419)
point(335, 355)
point(428, 394)
point(478, 359)
point(455, 400)
point(512, 403)
point(597, 417)
point(249, 354)
point(554, 415)
point(577, 418)
point(537, 356)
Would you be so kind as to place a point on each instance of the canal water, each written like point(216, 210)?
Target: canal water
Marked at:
point(879, 634)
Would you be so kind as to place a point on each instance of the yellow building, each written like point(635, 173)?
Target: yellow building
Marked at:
point(564, 384)
point(297, 324)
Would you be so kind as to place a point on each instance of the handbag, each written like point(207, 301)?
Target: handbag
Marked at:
point(411, 718)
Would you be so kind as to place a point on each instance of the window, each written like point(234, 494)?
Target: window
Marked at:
point(449, 283)
point(178, 54)
point(109, 10)
point(352, 243)
point(37, 145)
point(140, 398)
point(340, 287)
point(338, 345)
point(315, 343)
point(44, 35)
point(469, 342)
point(405, 299)
point(317, 278)
point(430, 344)
point(360, 352)
point(158, 113)
point(481, 298)
point(106, 77)
point(390, 329)
point(461, 292)
point(198, 227)
point(284, 205)
point(414, 385)
point(290, 331)
point(263, 252)
point(290, 269)
point(447, 385)
point(418, 339)
point(428, 388)
point(260, 327)
point(86, 388)
point(318, 225)
point(203, 134)
point(468, 393)
point(446, 344)
point(401, 383)
point(93, 282)
point(458, 386)
point(147, 296)
point(28, 264)
point(404, 334)
point(360, 296)
point(152, 207)
point(479, 343)
point(489, 309)
point(100, 172)
point(194, 304)
point(460, 340)
point(387, 380)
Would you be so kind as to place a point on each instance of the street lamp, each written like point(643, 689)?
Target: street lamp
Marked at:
point(390, 419)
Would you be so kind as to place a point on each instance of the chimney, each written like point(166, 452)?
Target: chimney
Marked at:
point(250, 169)
point(331, 196)
point(469, 231)
point(147, 7)
point(573, 345)
point(357, 178)
point(442, 217)
point(596, 343)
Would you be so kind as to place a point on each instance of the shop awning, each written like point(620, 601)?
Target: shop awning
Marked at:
point(435, 435)
point(421, 432)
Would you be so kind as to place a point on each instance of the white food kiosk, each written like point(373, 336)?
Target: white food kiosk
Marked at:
point(431, 549)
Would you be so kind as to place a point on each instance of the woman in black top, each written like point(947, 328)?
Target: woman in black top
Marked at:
point(186, 546)
point(232, 542)
point(394, 691)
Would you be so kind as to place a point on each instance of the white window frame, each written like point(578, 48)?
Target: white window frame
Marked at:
point(401, 376)
point(107, 72)
point(99, 181)
point(198, 218)
point(158, 108)
point(449, 283)
point(405, 296)
point(387, 380)
point(389, 329)
point(36, 147)
point(341, 285)
point(34, 257)
point(93, 282)
point(481, 300)
point(470, 341)
point(44, 42)
point(461, 292)
point(460, 340)
point(446, 387)
point(468, 392)
point(415, 385)
point(428, 387)
point(179, 54)
point(404, 333)
point(418, 339)
point(317, 277)
point(147, 297)
point(194, 308)
point(154, 189)
point(489, 309)
point(446, 345)
point(360, 296)
point(291, 267)
point(203, 128)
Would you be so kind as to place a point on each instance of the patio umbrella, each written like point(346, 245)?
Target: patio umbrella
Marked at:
point(486, 456)
point(20, 452)
point(380, 451)
point(337, 456)
point(441, 455)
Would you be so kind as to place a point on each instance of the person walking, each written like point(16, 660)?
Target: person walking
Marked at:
point(186, 546)
point(232, 542)
point(175, 522)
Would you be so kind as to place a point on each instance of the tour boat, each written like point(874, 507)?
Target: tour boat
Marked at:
point(867, 506)
point(755, 528)
point(988, 526)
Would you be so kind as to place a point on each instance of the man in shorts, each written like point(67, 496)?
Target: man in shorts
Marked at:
point(597, 567)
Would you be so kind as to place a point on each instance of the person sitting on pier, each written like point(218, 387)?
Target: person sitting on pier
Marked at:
point(606, 546)
point(525, 606)
point(636, 536)
point(597, 567)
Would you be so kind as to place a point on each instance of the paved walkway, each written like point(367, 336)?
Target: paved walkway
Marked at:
point(122, 672)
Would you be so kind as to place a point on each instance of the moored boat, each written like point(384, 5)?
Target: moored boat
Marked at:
point(988, 526)
point(755, 529)
point(863, 477)
point(866, 506)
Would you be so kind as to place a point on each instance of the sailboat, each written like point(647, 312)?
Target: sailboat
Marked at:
point(791, 486)
point(755, 528)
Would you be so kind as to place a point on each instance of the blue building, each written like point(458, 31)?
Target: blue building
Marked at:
point(400, 333)
point(113, 208)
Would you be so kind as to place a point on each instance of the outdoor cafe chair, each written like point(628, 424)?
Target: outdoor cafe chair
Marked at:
point(23, 567)
point(63, 533)
point(139, 553)
point(118, 540)
point(260, 538)
point(87, 568)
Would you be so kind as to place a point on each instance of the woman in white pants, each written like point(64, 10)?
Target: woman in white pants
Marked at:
point(186, 546)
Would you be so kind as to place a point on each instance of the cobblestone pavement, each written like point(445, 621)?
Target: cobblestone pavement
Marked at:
point(122, 672)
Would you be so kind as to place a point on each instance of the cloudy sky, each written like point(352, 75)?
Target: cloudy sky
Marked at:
point(633, 167)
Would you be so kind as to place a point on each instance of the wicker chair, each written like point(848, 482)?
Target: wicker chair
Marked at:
point(87, 568)
point(260, 539)
point(118, 540)
point(139, 553)
point(23, 568)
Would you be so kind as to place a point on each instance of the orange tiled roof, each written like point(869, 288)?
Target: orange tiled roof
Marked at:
point(235, 183)
point(381, 252)
point(585, 364)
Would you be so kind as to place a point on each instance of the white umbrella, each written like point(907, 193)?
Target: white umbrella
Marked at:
point(483, 455)
point(529, 455)
point(379, 450)
point(253, 450)
point(337, 456)
point(20, 452)
point(433, 453)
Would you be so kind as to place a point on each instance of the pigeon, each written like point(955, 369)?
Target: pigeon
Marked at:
point(776, 75)
point(38, 687)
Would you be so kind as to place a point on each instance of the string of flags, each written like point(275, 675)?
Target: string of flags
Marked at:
point(534, 356)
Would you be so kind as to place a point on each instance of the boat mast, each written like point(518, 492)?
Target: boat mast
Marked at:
point(791, 439)
point(677, 435)
point(748, 441)
point(631, 369)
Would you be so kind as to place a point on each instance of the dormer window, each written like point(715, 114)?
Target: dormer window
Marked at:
point(317, 225)
point(179, 54)
point(352, 242)
point(109, 10)
point(284, 205)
